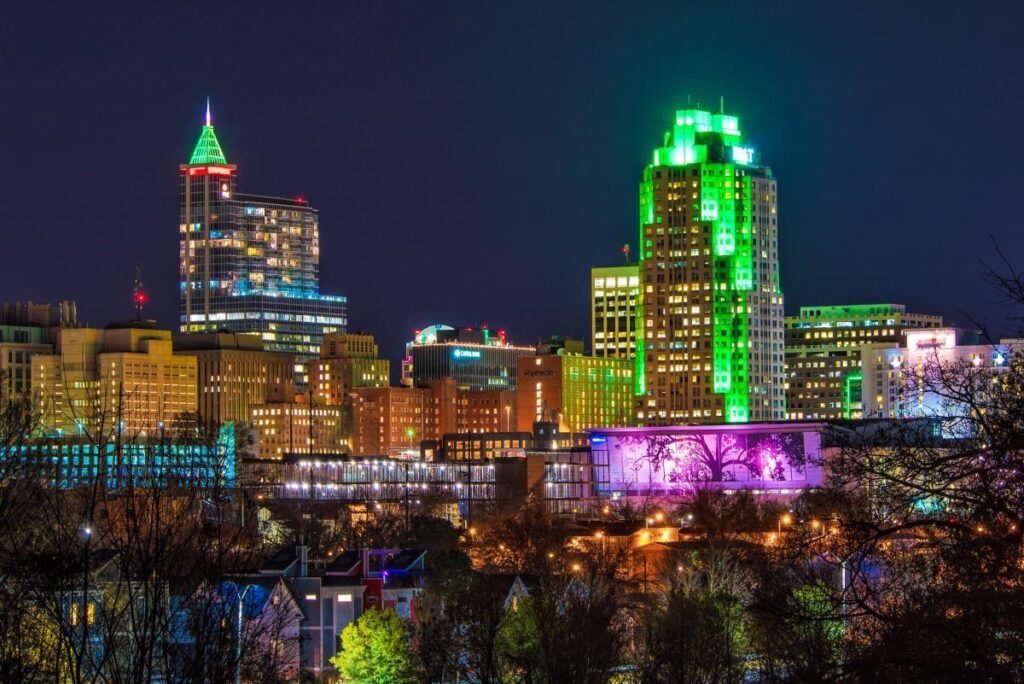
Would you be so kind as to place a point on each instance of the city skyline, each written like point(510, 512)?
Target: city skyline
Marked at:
point(340, 142)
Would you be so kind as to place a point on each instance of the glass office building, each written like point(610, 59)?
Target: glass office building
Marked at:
point(250, 263)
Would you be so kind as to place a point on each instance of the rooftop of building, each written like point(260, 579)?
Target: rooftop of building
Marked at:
point(699, 135)
point(854, 310)
point(147, 324)
point(788, 426)
point(219, 340)
point(440, 333)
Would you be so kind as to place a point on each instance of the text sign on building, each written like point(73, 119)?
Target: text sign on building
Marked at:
point(466, 354)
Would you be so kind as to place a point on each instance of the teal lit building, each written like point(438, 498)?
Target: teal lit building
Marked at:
point(711, 311)
point(250, 263)
point(72, 461)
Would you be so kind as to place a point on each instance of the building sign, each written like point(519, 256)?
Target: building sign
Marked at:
point(680, 460)
point(466, 354)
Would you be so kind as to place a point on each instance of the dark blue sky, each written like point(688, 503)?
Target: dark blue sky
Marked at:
point(472, 160)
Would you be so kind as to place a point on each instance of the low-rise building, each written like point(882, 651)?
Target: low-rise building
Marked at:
point(297, 427)
point(333, 593)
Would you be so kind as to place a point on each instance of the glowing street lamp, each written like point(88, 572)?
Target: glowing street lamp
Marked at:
point(786, 519)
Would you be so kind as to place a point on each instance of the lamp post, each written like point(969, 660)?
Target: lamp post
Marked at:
point(785, 519)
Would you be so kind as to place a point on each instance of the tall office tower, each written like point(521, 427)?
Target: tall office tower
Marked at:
point(711, 305)
point(250, 263)
point(614, 294)
point(824, 378)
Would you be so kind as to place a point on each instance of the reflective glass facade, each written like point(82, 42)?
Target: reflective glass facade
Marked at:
point(250, 263)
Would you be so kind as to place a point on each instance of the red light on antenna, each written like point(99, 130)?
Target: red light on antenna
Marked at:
point(140, 297)
point(299, 199)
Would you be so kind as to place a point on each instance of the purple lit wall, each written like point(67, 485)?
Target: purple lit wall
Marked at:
point(771, 458)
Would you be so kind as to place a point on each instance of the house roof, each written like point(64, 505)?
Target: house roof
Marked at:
point(344, 563)
point(280, 561)
point(405, 559)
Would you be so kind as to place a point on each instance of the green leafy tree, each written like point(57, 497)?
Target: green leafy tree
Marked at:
point(376, 649)
point(519, 641)
point(802, 642)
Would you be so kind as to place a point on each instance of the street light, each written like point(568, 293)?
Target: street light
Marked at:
point(786, 519)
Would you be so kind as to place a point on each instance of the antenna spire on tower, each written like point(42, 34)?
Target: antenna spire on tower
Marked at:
point(208, 112)
point(139, 294)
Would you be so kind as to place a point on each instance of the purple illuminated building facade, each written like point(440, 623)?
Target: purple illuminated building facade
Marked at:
point(778, 459)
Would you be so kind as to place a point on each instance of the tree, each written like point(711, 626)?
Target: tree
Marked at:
point(923, 538)
point(376, 649)
point(799, 637)
point(577, 629)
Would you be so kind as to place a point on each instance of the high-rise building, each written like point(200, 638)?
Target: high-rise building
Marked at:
point(711, 320)
point(823, 354)
point(234, 373)
point(474, 357)
point(575, 391)
point(125, 377)
point(614, 295)
point(347, 360)
point(250, 263)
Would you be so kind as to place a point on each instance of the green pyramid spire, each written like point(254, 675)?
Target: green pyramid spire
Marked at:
point(207, 150)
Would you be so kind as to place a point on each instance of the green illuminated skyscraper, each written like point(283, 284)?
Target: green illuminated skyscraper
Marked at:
point(711, 321)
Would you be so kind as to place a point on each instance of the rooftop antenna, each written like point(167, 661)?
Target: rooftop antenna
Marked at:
point(138, 295)
point(721, 104)
point(208, 119)
point(625, 251)
point(687, 99)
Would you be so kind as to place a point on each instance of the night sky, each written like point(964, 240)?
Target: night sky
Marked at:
point(471, 161)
